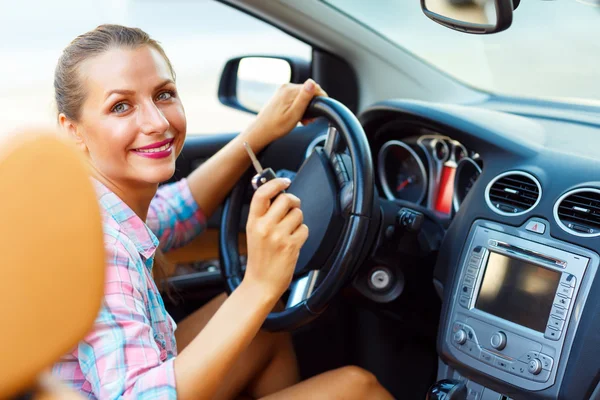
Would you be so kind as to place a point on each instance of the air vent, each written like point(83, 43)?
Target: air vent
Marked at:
point(513, 193)
point(578, 212)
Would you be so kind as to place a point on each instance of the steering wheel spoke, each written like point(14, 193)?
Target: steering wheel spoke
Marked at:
point(302, 288)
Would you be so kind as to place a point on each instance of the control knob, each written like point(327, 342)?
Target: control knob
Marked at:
point(498, 340)
point(535, 366)
point(460, 336)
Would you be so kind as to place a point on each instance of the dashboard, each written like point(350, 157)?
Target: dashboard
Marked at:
point(517, 268)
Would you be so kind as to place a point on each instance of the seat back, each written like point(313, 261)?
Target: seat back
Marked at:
point(52, 257)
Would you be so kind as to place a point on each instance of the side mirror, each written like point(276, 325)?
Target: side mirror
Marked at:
point(471, 16)
point(247, 83)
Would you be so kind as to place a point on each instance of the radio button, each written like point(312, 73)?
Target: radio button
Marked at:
point(487, 357)
point(562, 301)
point(471, 349)
point(503, 364)
point(568, 280)
point(529, 356)
point(558, 312)
point(552, 333)
point(566, 291)
point(471, 270)
point(464, 301)
point(543, 376)
point(547, 362)
point(520, 368)
point(466, 290)
point(556, 323)
point(469, 280)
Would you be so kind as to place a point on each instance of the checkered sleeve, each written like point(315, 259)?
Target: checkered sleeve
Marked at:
point(174, 215)
point(120, 358)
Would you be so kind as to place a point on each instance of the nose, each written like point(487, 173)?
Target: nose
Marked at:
point(152, 120)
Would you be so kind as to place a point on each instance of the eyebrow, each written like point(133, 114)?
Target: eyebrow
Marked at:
point(126, 92)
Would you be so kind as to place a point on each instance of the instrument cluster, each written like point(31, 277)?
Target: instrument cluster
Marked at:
point(431, 170)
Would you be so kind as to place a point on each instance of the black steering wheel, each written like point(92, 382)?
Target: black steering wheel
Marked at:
point(338, 236)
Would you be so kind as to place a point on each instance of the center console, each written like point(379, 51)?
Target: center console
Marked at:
point(517, 304)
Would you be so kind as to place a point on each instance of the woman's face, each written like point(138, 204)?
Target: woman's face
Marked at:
point(132, 123)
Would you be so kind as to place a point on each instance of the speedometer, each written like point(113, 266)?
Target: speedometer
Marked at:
point(401, 172)
point(467, 172)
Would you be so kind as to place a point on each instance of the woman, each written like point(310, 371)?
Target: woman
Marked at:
point(116, 96)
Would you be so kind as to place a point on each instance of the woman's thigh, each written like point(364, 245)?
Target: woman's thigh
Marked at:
point(266, 366)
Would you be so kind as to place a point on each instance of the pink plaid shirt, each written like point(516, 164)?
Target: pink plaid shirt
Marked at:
point(130, 351)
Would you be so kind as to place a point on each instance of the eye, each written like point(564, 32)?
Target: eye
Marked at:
point(120, 108)
point(166, 95)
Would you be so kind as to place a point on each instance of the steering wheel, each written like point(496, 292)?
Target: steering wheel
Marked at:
point(338, 236)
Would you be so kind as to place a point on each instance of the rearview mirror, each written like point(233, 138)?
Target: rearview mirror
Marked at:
point(471, 16)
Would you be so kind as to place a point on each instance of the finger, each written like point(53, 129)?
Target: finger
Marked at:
point(304, 96)
point(261, 200)
point(320, 91)
point(307, 121)
point(291, 221)
point(281, 206)
point(300, 235)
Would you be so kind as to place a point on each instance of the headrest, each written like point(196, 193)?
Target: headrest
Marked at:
point(51, 255)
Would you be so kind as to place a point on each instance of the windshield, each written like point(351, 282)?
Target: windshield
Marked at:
point(550, 50)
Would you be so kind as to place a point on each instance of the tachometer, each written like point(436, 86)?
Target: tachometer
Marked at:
point(467, 172)
point(401, 172)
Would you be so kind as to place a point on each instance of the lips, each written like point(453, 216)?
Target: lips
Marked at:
point(155, 147)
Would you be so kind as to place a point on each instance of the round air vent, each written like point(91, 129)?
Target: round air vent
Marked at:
point(513, 193)
point(578, 212)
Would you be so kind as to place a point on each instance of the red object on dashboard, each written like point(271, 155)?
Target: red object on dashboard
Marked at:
point(443, 203)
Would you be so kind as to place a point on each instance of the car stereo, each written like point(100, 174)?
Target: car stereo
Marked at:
point(512, 306)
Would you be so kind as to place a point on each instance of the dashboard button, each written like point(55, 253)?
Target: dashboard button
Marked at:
point(556, 323)
point(502, 364)
point(472, 270)
point(487, 357)
point(568, 280)
point(469, 280)
point(464, 301)
point(543, 376)
point(520, 369)
point(471, 349)
point(536, 227)
point(566, 291)
point(562, 301)
point(558, 312)
point(552, 333)
point(530, 355)
point(547, 362)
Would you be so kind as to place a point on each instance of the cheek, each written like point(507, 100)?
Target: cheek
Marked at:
point(178, 123)
point(110, 140)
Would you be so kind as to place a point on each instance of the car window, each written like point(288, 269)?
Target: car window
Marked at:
point(198, 36)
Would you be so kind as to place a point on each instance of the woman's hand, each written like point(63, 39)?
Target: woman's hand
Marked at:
point(275, 234)
point(285, 109)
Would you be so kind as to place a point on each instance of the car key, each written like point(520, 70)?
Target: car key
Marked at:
point(262, 175)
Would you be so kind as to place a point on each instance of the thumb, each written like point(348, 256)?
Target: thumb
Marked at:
point(307, 92)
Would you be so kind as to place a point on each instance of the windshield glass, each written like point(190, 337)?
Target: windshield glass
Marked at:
point(550, 50)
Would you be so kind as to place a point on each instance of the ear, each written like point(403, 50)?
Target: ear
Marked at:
point(71, 128)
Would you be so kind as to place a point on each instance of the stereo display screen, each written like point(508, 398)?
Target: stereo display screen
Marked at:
point(518, 291)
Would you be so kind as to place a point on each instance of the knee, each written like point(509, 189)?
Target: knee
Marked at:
point(360, 380)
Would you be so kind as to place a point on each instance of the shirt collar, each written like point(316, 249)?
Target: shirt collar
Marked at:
point(131, 224)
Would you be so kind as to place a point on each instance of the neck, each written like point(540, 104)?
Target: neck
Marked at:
point(137, 195)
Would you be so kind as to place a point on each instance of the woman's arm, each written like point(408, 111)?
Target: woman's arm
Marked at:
point(275, 234)
point(211, 182)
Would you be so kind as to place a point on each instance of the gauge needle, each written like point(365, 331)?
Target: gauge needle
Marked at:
point(405, 183)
